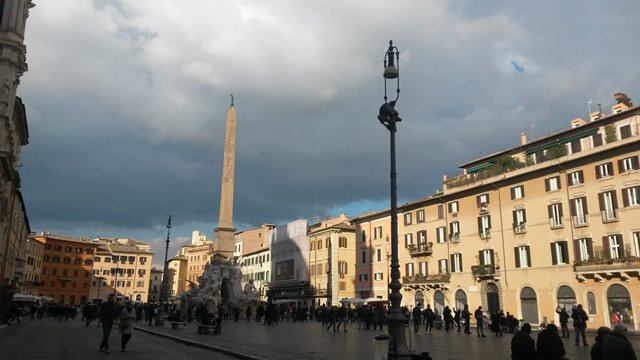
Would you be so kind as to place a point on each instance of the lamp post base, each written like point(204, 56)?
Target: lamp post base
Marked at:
point(397, 344)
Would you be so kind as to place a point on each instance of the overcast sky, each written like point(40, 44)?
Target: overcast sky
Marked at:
point(126, 102)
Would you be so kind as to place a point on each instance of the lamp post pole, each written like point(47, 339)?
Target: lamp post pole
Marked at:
point(388, 117)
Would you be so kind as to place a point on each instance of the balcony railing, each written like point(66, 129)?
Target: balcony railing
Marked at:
point(631, 263)
point(426, 279)
point(520, 228)
point(486, 234)
point(454, 237)
point(483, 270)
point(609, 215)
point(556, 223)
point(580, 221)
point(421, 249)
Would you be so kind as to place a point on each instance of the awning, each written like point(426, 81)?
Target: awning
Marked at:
point(561, 141)
point(481, 166)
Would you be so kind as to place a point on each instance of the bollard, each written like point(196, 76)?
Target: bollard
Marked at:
point(381, 343)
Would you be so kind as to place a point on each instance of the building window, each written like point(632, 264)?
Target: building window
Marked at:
point(422, 237)
point(575, 178)
point(441, 234)
point(312, 245)
point(440, 211)
point(88, 262)
point(583, 249)
point(625, 131)
point(422, 268)
point(409, 269)
point(364, 257)
point(482, 199)
point(454, 231)
point(552, 184)
point(636, 244)
point(342, 268)
point(486, 257)
point(377, 232)
point(519, 221)
point(420, 216)
point(45, 258)
point(456, 263)
point(57, 247)
point(408, 240)
point(608, 206)
point(67, 260)
point(591, 303)
point(559, 253)
point(613, 246)
point(576, 146)
point(342, 242)
point(631, 196)
point(443, 267)
point(68, 249)
point(377, 276)
point(604, 170)
point(363, 277)
point(363, 235)
point(628, 164)
point(579, 211)
point(453, 207)
point(378, 255)
point(484, 226)
point(517, 192)
point(319, 247)
point(523, 257)
point(555, 215)
point(407, 218)
point(96, 259)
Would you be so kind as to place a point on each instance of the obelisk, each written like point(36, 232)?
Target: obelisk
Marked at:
point(224, 233)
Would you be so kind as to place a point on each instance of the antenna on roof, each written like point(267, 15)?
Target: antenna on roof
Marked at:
point(589, 109)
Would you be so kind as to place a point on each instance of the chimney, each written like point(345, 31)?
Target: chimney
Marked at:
point(595, 115)
point(523, 138)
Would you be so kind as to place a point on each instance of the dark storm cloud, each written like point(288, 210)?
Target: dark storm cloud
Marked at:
point(127, 102)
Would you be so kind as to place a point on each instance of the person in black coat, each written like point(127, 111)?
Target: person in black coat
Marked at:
point(417, 318)
point(564, 319)
point(108, 312)
point(596, 349)
point(550, 346)
point(466, 316)
point(522, 345)
point(617, 346)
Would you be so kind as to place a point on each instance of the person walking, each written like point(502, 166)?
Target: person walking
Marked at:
point(417, 318)
point(127, 315)
point(342, 317)
point(522, 345)
point(479, 321)
point(580, 318)
point(617, 346)
point(448, 318)
point(550, 346)
point(496, 325)
point(466, 316)
point(247, 313)
point(457, 313)
point(429, 316)
point(564, 319)
point(108, 313)
point(332, 316)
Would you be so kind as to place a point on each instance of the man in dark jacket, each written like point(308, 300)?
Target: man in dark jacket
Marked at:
point(108, 313)
point(596, 349)
point(417, 318)
point(580, 318)
point(522, 345)
point(550, 346)
point(479, 320)
point(617, 346)
point(429, 316)
point(564, 319)
point(466, 316)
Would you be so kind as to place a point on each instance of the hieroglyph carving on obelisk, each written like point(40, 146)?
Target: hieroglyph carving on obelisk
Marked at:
point(224, 233)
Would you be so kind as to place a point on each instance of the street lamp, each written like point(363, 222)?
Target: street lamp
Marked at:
point(388, 116)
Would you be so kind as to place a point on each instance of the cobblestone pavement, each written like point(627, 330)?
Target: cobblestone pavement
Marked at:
point(48, 339)
point(51, 340)
point(310, 341)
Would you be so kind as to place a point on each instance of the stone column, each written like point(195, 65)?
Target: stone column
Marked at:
point(225, 231)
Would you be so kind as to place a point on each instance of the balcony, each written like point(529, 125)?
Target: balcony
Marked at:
point(609, 215)
point(580, 221)
point(421, 249)
point(519, 228)
point(454, 237)
point(607, 269)
point(483, 271)
point(485, 234)
point(419, 281)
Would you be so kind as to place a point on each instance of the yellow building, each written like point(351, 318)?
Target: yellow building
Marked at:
point(178, 275)
point(553, 221)
point(123, 267)
point(332, 259)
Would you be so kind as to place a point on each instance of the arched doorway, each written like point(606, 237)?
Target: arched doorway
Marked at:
point(72, 299)
point(566, 298)
point(493, 298)
point(438, 300)
point(461, 299)
point(138, 297)
point(83, 299)
point(529, 303)
point(419, 299)
point(61, 299)
point(619, 300)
